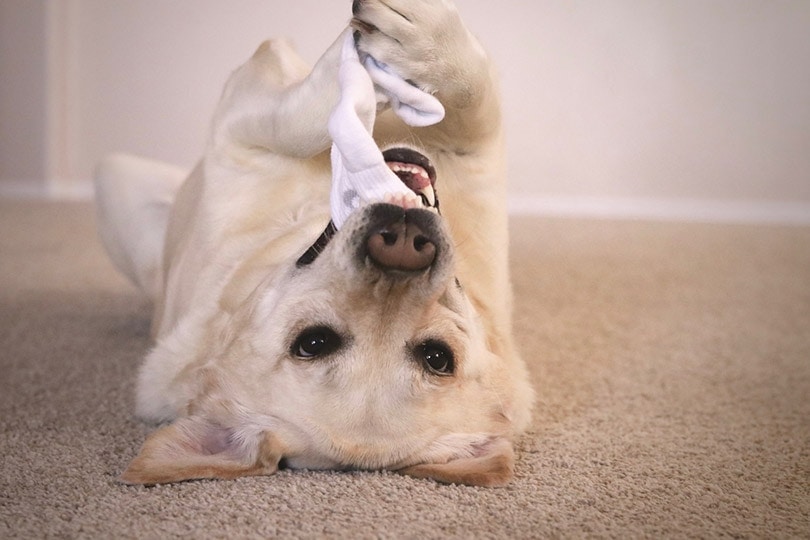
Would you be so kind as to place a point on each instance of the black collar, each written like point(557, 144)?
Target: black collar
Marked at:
point(320, 244)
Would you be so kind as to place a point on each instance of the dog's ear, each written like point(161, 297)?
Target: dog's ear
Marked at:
point(491, 464)
point(195, 448)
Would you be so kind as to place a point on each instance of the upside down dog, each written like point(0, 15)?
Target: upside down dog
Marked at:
point(282, 342)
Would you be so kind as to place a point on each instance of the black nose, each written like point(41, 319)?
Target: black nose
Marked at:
point(401, 240)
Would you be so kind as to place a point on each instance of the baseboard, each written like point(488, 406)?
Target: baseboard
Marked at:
point(687, 210)
point(28, 189)
point(14, 189)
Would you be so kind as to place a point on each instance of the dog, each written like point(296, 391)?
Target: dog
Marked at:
point(283, 343)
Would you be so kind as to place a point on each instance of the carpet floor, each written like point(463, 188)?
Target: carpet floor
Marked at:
point(672, 364)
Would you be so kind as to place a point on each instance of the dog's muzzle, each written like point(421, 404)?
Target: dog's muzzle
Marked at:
point(400, 241)
point(397, 240)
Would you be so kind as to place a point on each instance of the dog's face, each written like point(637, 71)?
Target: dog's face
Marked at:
point(364, 354)
point(371, 354)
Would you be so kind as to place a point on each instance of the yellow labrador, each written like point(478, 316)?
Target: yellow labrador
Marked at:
point(384, 345)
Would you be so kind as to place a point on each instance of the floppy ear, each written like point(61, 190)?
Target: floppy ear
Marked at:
point(491, 465)
point(194, 448)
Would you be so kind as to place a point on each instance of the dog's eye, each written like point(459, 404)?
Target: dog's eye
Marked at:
point(436, 357)
point(316, 341)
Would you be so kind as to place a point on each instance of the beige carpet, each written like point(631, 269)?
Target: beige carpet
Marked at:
point(672, 363)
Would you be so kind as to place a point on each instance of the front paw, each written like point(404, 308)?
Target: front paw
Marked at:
point(424, 42)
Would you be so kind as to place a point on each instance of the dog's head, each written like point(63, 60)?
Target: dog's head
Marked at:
point(364, 354)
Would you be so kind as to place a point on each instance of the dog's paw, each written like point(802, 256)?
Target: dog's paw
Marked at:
point(424, 42)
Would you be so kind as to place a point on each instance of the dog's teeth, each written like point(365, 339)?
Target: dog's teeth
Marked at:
point(408, 168)
point(429, 195)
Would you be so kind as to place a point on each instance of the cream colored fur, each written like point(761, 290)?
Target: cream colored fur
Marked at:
point(231, 299)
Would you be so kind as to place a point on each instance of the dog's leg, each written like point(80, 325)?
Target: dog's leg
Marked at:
point(133, 200)
point(426, 42)
point(276, 104)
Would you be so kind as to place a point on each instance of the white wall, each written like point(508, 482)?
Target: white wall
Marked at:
point(23, 92)
point(694, 107)
point(675, 108)
point(152, 70)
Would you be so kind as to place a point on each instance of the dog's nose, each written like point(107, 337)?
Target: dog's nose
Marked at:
point(401, 245)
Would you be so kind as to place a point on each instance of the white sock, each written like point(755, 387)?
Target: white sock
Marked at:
point(359, 173)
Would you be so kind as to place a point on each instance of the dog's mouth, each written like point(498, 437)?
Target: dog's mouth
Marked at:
point(413, 168)
point(416, 171)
